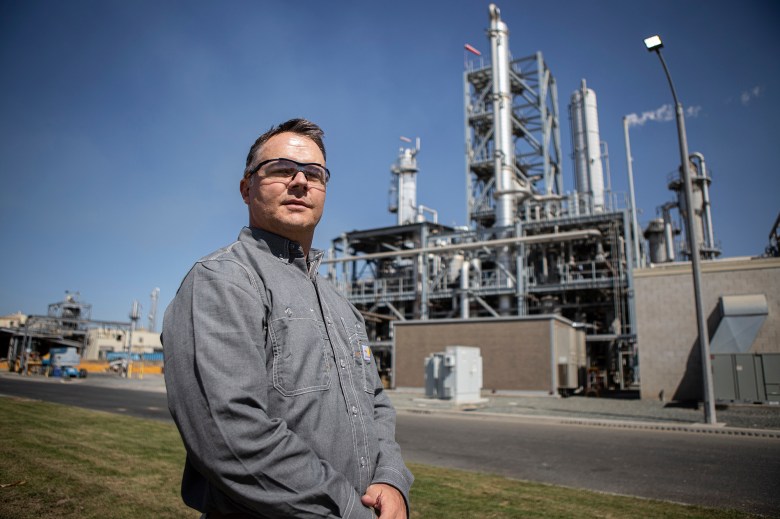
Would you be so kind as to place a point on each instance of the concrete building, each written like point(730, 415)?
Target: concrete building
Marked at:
point(669, 356)
point(102, 341)
point(541, 353)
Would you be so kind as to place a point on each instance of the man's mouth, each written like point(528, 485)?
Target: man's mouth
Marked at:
point(298, 203)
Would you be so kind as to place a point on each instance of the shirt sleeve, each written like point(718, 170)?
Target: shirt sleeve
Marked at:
point(217, 385)
point(391, 468)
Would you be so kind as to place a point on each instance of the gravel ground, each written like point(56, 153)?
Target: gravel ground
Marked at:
point(621, 409)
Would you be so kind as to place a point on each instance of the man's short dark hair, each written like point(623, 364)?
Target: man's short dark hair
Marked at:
point(299, 126)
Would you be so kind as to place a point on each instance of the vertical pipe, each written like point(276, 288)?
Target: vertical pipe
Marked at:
point(502, 120)
point(588, 183)
point(668, 232)
point(707, 209)
point(424, 273)
point(632, 329)
point(505, 191)
point(553, 359)
point(521, 273)
point(605, 156)
point(629, 163)
point(467, 147)
point(464, 289)
point(578, 145)
point(556, 135)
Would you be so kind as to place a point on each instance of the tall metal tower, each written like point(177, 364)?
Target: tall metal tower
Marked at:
point(153, 309)
point(513, 148)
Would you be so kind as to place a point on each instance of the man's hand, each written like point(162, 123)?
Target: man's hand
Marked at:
point(386, 500)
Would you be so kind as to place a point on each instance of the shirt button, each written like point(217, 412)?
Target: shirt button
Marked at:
point(362, 461)
point(354, 410)
point(343, 363)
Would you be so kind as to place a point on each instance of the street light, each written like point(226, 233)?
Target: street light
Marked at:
point(654, 44)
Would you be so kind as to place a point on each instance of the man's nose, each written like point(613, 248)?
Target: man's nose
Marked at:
point(298, 180)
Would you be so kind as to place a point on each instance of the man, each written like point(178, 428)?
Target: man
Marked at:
point(270, 378)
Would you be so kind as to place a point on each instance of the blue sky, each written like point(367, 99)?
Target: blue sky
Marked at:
point(124, 125)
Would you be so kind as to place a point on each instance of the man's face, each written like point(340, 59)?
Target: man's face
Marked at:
point(287, 207)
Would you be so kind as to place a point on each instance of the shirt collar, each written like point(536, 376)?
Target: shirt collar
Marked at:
point(281, 247)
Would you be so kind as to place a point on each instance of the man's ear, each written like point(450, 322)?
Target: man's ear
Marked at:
point(244, 187)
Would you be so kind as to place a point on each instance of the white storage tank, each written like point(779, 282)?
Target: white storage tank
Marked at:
point(588, 170)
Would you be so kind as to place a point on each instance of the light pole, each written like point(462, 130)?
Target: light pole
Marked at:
point(653, 44)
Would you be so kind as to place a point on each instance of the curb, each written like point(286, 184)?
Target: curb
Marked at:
point(720, 429)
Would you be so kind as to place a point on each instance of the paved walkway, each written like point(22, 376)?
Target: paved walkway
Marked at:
point(757, 420)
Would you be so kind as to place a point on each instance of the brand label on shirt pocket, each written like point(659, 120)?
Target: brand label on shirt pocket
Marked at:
point(366, 350)
point(361, 352)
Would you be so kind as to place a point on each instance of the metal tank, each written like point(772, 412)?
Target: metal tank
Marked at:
point(403, 188)
point(656, 240)
point(506, 192)
point(588, 170)
point(702, 212)
point(702, 181)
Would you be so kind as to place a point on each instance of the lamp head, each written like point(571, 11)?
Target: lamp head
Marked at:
point(653, 43)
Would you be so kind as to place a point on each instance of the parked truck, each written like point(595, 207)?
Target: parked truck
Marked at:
point(64, 361)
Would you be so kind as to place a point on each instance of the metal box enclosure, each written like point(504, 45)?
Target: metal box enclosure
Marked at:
point(461, 374)
point(432, 379)
point(570, 357)
point(455, 374)
point(745, 377)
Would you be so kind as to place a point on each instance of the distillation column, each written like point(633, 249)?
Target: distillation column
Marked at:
point(589, 174)
point(702, 184)
point(512, 148)
point(506, 190)
point(403, 189)
point(701, 206)
point(504, 152)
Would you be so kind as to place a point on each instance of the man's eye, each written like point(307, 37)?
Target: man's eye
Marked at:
point(281, 171)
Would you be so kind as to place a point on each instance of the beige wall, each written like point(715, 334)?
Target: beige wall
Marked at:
point(103, 340)
point(516, 352)
point(669, 359)
point(13, 321)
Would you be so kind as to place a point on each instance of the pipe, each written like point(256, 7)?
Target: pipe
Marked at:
point(421, 210)
point(537, 238)
point(506, 192)
point(502, 120)
point(634, 224)
point(705, 193)
point(464, 290)
point(668, 230)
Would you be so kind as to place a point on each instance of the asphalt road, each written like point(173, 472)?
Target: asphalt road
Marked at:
point(693, 468)
point(143, 404)
point(706, 469)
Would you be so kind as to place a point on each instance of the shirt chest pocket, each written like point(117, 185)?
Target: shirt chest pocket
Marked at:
point(300, 362)
point(363, 359)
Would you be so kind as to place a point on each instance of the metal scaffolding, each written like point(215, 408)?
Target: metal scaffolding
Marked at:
point(529, 247)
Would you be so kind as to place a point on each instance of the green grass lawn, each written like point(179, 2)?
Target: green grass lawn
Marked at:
point(68, 462)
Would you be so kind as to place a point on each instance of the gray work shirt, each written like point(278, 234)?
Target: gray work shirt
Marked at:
point(274, 389)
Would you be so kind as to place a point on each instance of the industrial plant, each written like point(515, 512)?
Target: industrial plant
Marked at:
point(530, 246)
point(558, 286)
